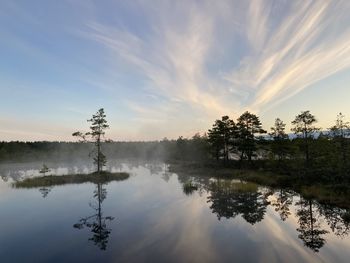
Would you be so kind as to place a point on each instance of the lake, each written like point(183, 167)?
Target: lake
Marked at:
point(158, 216)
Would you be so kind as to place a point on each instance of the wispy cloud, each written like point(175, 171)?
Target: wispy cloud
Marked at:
point(173, 60)
point(298, 53)
point(171, 67)
point(288, 48)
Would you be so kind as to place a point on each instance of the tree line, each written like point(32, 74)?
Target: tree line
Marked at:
point(311, 153)
point(242, 143)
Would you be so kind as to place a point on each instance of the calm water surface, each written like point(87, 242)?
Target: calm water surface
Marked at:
point(154, 216)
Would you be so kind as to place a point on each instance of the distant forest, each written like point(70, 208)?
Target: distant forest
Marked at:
point(243, 143)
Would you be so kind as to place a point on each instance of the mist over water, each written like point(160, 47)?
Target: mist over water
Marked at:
point(155, 216)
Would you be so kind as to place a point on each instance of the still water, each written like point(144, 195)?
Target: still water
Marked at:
point(158, 216)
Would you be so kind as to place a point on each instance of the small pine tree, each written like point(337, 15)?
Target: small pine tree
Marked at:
point(44, 170)
point(280, 138)
point(340, 133)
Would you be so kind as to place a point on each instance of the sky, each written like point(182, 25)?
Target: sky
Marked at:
point(165, 68)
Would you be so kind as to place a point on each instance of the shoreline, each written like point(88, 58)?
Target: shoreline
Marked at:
point(337, 195)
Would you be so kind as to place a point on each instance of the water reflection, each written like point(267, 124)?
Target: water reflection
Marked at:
point(45, 191)
point(97, 222)
point(338, 219)
point(229, 199)
point(282, 203)
point(310, 230)
point(188, 210)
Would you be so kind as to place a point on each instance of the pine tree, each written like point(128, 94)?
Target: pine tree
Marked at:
point(248, 125)
point(221, 137)
point(304, 128)
point(96, 134)
point(340, 133)
point(280, 139)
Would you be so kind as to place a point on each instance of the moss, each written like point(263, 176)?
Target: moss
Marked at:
point(244, 187)
point(257, 177)
point(102, 177)
point(237, 186)
point(326, 194)
point(211, 170)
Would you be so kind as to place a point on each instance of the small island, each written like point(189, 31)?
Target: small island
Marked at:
point(96, 137)
point(55, 180)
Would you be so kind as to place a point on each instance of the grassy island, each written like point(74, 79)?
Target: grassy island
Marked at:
point(54, 180)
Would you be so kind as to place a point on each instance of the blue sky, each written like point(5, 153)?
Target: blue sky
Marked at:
point(169, 68)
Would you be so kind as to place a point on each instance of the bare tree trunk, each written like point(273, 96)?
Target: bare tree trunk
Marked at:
point(98, 155)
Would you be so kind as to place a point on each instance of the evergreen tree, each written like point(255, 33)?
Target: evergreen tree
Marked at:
point(97, 132)
point(44, 169)
point(181, 148)
point(340, 133)
point(304, 128)
point(221, 137)
point(248, 125)
point(279, 146)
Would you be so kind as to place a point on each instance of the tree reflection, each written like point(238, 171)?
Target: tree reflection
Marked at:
point(337, 219)
point(155, 168)
point(166, 174)
point(97, 222)
point(230, 198)
point(283, 201)
point(189, 188)
point(45, 191)
point(309, 228)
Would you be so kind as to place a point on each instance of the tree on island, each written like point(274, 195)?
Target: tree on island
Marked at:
point(96, 135)
point(44, 170)
point(45, 190)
